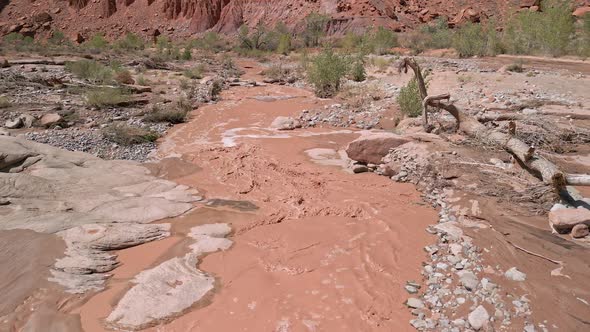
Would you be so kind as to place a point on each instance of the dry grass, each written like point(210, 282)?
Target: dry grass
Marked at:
point(124, 134)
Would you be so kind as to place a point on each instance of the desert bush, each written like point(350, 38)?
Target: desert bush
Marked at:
point(123, 76)
point(476, 39)
point(284, 44)
point(357, 70)
point(417, 41)
point(380, 63)
point(409, 99)
point(4, 102)
point(215, 89)
point(547, 32)
point(105, 97)
point(57, 38)
point(129, 43)
point(351, 42)
point(13, 38)
point(195, 72)
point(174, 114)
point(141, 80)
point(125, 134)
point(254, 39)
point(438, 34)
point(361, 96)
point(97, 43)
point(583, 37)
point(90, 70)
point(278, 72)
point(515, 67)
point(187, 53)
point(380, 41)
point(210, 41)
point(315, 29)
point(326, 71)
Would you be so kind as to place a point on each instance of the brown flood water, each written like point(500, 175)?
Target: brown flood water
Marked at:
point(315, 248)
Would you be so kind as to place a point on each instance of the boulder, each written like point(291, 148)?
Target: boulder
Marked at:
point(371, 147)
point(50, 119)
point(581, 11)
point(580, 231)
point(285, 123)
point(479, 318)
point(563, 220)
point(27, 120)
point(14, 124)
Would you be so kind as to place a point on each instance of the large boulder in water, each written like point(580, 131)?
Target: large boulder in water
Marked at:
point(372, 146)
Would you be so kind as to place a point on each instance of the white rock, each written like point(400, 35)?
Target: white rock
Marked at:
point(478, 318)
point(515, 275)
point(468, 280)
point(415, 303)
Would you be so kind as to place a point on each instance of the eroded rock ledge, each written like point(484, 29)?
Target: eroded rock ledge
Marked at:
point(172, 287)
point(95, 205)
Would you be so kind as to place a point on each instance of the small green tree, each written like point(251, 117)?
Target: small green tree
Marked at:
point(476, 39)
point(315, 29)
point(130, 42)
point(97, 43)
point(382, 40)
point(284, 46)
point(326, 72)
point(409, 99)
point(357, 72)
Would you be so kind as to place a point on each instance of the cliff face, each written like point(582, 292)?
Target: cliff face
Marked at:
point(182, 18)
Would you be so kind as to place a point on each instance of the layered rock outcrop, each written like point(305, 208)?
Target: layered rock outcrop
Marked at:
point(94, 205)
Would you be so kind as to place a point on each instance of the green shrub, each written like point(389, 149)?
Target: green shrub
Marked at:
point(195, 72)
point(381, 41)
point(4, 102)
point(13, 38)
point(124, 134)
point(123, 76)
point(186, 54)
point(105, 97)
point(141, 80)
point(97, 43)
point(351, 42)
point(409, 99)
point(215, 89)
point(582, 40)
point(547, 32)
point(437, 35)
point(129, 43)
point(357, 71)
point(90, 70)
point(380, 63)
point(476, 39)
point(326, 71)
point(284, 45)
point(315, 29)
point(175, 114)
point(210, 41)
point(515, 67)
point(278, 72)
point(57, 38)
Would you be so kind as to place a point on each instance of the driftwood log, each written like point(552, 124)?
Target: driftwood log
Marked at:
point(544, 169)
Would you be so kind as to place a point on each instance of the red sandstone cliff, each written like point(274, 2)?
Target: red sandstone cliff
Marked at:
point(182, 18)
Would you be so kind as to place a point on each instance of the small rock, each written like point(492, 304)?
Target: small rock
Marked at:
point(478, 318)
point(468, 280)
point(359, 168)
point(285, 123)
point(409, 289)
point(418, 324)
point(580, 231)
point(27, 120)
point(515, 275)
point(415, 303)
point(4, 201)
